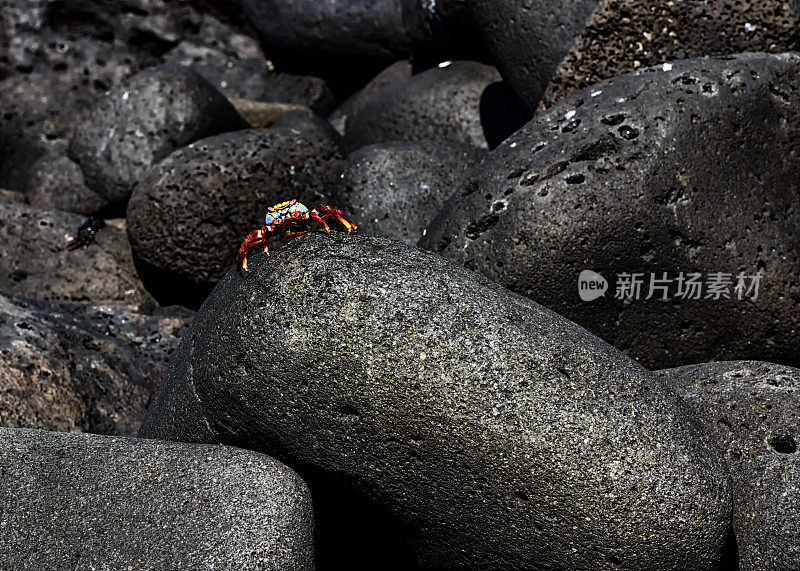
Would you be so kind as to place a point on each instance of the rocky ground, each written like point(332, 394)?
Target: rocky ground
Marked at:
point(564, 337)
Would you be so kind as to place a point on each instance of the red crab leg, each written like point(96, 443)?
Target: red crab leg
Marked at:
point(253, 238)
point(329, 211)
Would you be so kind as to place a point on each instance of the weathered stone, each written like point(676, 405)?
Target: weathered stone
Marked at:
point(440, 103)
point(42, 110)
point(395, 189)
point(190, 213)
point(56, 182)
point(90, 502)
point(88, 367)
point(236, 78)
point(529, 39)
point(35, 262)
point(393, 75)
point(328, 31)
point(625, 35)
point(766, 514)
point(144, 120)
point(490, 431)
point(687, 168)
point(750, 408)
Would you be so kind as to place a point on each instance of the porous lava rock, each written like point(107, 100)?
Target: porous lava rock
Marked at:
point(440, 103)
point(750, 408)
point(766, 507)
point(625, 35)
point(395, 189)
point(190, 213)
point(35, 261)
point(144, 120)
point(89, 502)
point(89, 367)
point(528, 39)
point(490, 431)
point(684, 169)
point(42, 110)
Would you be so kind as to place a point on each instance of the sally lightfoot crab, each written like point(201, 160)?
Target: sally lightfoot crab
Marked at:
point(289, 219)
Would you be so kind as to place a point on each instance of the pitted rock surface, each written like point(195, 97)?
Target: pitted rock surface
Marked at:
point(440, 103)
point(750, 408)
point(395, 189)
point(40, 109)
point(492, 432)
point(89, 367)
point(191, 212)
point(690, 168)
point(529, 39)
point(144, 120)
point(90, 502)
point(35, 262)
point(766, 514)
point(625, 35)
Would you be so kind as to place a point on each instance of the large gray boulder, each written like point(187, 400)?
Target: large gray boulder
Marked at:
point(687, 168)
point(488, 431)
point(142, 121)
point(78, 501)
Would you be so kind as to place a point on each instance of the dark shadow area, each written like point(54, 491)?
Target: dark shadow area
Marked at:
point(502, 113)
point(353, 532)
point(168, 289)
point(730, 553)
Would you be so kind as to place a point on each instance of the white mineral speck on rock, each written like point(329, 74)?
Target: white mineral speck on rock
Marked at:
point(667, 67)
point(444, 64)
point(126, 95)
point(749, 27)
point(569, 115)
point(513, 145)
point(596, 93)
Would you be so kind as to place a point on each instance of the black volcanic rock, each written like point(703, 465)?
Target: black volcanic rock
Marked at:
point(689, 168)
point(190, 213)
point(77, 501)
point(56, 182)
point(396, 73)
point(750, 408)
point(144, 120)
point(489, 431)
point(395, 189)
point(528, 39)
point(89, 366)
point(766, 513)
point(42, 110)
point(440, 103)
point(35, 261)
point(625, 35)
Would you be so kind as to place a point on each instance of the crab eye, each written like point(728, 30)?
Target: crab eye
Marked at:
point(269, 219)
